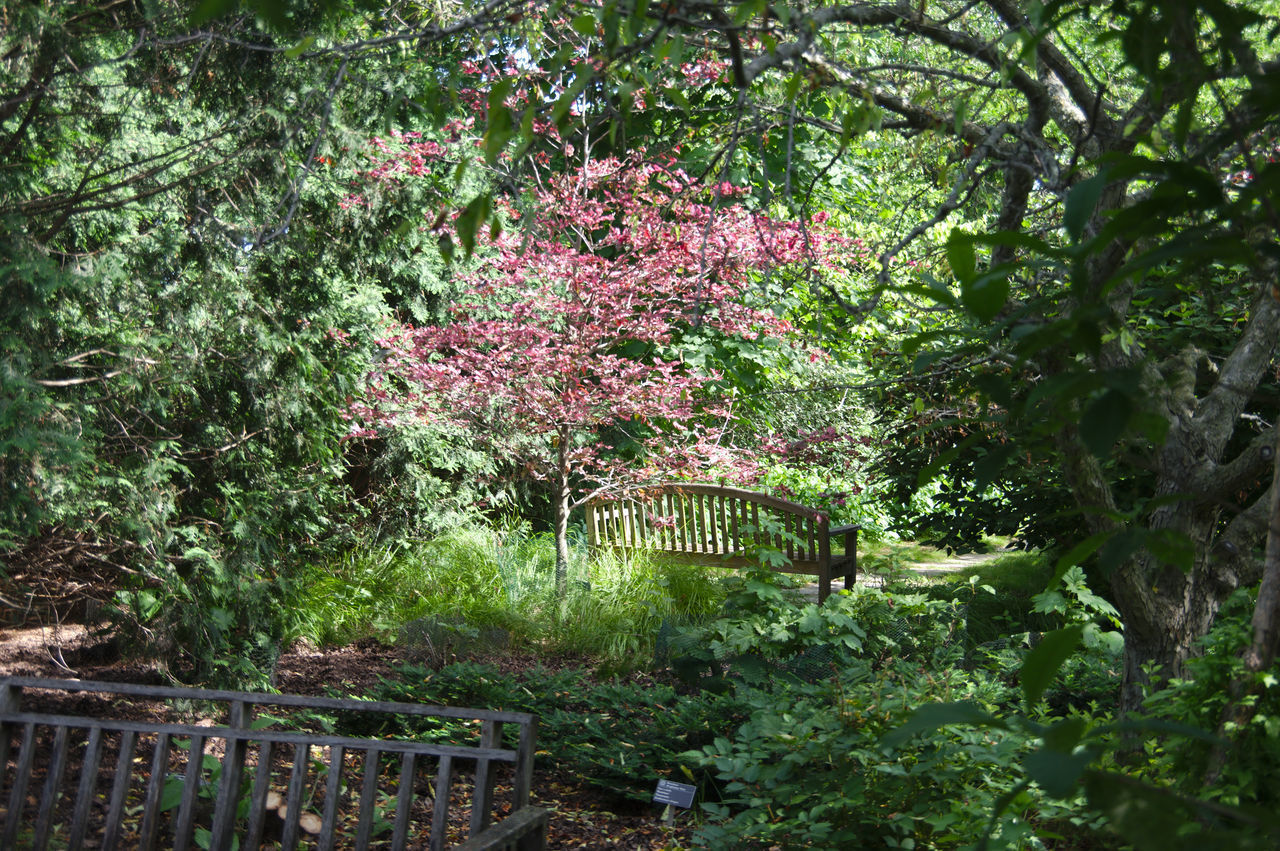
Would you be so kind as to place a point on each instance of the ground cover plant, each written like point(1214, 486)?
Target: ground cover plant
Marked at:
point(481, 586)
point(800, 725)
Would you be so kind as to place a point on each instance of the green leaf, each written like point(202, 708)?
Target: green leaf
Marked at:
point(584, 25)
point(500, 124)
point(1065, 734)
point(1055, 771)
point(1122, 545)
point(992, 464)
point(1104, 421)
point(677, 97)
point(985, 296)
point(210, 9)
point(1080, 204)
point(1172, 547)
point(301, 47)
point(470, 220)
point(1046, 658)
point(931, 716)
point(960, 256)
point(1143, 814)
point(1079, 553)
point(171, 793)
point(638, 18)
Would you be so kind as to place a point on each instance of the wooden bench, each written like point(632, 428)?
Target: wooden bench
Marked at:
point(724, 527)
point(76, 775)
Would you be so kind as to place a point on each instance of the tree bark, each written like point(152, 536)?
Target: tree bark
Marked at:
point(563, 504)
point(1266, 613)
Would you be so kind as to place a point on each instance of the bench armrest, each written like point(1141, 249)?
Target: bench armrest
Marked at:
point(527, 827)
point(848, 527)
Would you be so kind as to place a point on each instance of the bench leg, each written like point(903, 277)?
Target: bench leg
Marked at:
point(851, 554)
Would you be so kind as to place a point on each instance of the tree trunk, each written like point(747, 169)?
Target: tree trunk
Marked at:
point(563, 493)
point(1165, 612)
point(1266, 614)
point(562, 541)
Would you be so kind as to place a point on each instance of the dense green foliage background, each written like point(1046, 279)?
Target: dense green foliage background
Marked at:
point(1059, 323)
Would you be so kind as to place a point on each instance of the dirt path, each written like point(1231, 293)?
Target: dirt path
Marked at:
point(923, 569)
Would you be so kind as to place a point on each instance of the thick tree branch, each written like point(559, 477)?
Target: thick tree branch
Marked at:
point(1216, 415)
point(1213, 482)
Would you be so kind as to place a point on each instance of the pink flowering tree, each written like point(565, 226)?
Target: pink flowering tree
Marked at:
point(568, 342)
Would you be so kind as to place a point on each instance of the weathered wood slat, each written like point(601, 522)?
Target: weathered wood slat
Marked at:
point(258, 799)
point(224, 814)
point(276, 736)
point(190, 786)
point(526, 829)
point(440, 806)
point(52, 789)
point(368, 793)
point(332, 790)
point(482, 798)
point(119, 790)
point(84, 792)
point(18, 793)
point(155, 786)
point(523, 782)
point(255, 699)
point(293, 797)
point(403, 801)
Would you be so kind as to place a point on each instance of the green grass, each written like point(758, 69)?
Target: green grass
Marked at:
point(484, 579)
point(1015, 579)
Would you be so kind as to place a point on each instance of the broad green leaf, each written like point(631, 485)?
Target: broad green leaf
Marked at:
point(748, 10)
point(1046, 658)
point(991, 465)
point(1172, 547)
point(301, 47)
point(470, 219)
point(1065, 734)
point(960, 256)
point(207, 10)
point(1122, 545)
point(1055, 771)
point(985, 296)
point(793, 86)
point(171, 792)
point(638, 19)
point(931, 716)
point(584, 25)
point(1080, 204)
point(677, 97)
point(1079, 553)
point(1104, 421)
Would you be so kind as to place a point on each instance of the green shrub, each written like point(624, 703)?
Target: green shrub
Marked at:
point(809, 768)
point(1248, 774)
point(765, 631)
point(618, 735)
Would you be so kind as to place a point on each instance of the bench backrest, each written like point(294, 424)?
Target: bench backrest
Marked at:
point(709, 523)
point(65, 755)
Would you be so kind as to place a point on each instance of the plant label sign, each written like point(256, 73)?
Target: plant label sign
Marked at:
point(674, 794)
